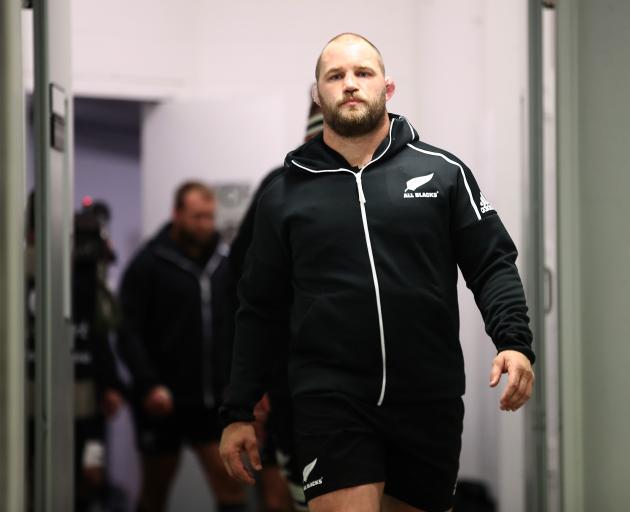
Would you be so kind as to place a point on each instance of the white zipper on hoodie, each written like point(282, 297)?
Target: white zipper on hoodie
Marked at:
point(358, 177)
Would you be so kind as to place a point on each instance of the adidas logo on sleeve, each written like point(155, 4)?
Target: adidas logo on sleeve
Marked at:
point(484, 204)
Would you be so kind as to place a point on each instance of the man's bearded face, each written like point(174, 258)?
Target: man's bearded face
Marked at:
point(354, 115)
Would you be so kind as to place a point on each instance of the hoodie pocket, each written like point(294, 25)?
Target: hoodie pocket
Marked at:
point(424, 355)
point(338, 330)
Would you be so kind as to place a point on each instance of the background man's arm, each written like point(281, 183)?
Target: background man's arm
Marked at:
point(135, 299)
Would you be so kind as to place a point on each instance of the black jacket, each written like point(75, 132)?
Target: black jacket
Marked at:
point(177, 322)
point(277, 386)
point(243, 239)
point(370, 257)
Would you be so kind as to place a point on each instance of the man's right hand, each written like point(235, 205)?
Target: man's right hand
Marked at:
point(159, 401)
point(238, 442)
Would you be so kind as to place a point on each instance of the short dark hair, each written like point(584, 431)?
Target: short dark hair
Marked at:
point(191, 186)
point(349, 34)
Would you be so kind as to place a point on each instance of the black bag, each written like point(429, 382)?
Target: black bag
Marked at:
point(472, 496)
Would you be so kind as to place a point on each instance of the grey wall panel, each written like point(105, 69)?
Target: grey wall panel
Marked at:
point(594, 245)
point(53, 189)
point(12, 173)
point(604, 77)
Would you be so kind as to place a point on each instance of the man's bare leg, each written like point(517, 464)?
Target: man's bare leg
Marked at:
point(362, 498)
point(391, 504)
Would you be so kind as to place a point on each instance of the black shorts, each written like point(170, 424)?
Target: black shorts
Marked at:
point(190, 425)
point(413, 447)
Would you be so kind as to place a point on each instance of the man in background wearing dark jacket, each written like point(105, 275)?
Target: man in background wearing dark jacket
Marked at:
point(176, 298)
point(357, 245)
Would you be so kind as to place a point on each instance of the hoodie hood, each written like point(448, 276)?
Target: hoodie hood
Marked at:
point(316, 155)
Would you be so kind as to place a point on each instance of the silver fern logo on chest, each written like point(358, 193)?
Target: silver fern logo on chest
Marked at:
point(411, 190)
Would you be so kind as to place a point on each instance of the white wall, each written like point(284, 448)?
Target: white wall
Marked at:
point(129, 50)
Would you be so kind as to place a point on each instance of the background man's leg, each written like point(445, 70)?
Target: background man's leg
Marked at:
point(158, 472)
point(274, 490)
point(230, 494)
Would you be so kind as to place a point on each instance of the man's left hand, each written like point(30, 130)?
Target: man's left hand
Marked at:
point(520, 378)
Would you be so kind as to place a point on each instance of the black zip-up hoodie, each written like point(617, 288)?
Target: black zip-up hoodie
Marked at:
point(177, 320)
point(370, 256)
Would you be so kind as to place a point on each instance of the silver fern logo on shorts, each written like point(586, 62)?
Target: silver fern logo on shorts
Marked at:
point(307, 472)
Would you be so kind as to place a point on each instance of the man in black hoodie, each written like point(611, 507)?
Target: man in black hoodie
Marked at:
point(177, 296)
point(356, 245)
